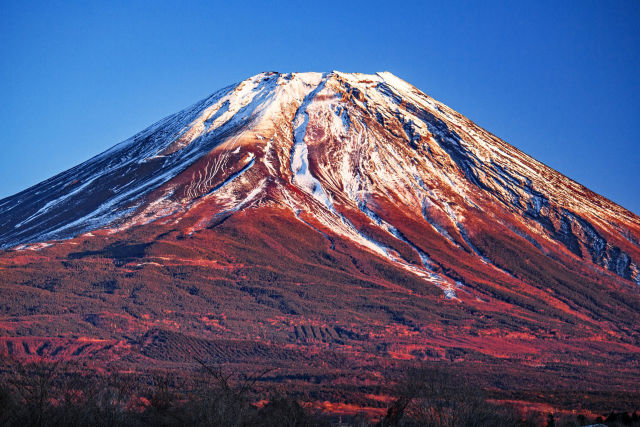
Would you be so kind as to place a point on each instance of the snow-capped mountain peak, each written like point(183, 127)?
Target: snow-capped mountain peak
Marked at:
point(360, 156)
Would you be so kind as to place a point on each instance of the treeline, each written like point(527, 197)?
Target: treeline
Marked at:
point(54, 394)
point(57, 394)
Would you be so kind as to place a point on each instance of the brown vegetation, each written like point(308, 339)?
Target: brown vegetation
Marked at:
point(53, 394)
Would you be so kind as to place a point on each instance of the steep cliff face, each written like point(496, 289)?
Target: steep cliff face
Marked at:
point(343, 215)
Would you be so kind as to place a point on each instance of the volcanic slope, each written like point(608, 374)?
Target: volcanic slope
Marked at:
point(323, 221)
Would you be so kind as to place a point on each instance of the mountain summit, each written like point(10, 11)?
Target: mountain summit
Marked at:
point(331, 146)
point(307, 213)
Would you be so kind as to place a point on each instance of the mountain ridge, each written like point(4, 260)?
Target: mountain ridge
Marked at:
point(348, 219)
point(174, 134)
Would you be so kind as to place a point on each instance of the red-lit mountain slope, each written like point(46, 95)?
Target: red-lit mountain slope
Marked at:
point(324, 222)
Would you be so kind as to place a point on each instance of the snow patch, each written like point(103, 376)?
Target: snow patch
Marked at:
point(302, 177)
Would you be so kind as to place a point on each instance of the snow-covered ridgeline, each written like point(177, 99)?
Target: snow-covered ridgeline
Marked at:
point(94, 194)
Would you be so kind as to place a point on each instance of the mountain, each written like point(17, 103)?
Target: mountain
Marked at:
point(325, 223)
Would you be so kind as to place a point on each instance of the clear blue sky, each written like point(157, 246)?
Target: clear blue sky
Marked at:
point(559, 80)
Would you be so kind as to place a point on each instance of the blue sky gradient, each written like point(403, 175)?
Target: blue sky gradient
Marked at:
point(559, 80)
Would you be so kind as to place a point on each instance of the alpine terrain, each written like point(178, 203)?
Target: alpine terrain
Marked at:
point(337, 228)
